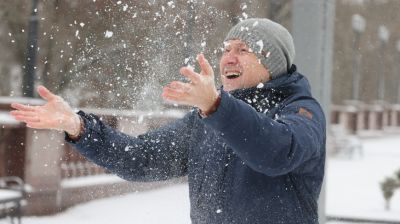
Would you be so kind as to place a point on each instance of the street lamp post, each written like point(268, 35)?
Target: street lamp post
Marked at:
point(358, 24)
point(319, 50)
point(397, 72)
point(383, 34)
point(29, 78)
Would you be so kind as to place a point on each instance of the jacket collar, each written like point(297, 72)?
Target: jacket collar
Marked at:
point(267, 95)
point(264, 96)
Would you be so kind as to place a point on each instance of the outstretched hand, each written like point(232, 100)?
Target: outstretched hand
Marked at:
point(200, 92)
point(55, 114)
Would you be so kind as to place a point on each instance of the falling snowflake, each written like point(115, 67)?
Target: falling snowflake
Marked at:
point(261, 44)
point(128, 148)
point(108, 34)
point(171, 4)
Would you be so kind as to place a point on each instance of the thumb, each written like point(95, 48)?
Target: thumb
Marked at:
point(204, 65)
point(45, 93)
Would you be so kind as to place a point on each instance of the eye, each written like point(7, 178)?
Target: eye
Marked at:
point(226, 50)
point(244, 50)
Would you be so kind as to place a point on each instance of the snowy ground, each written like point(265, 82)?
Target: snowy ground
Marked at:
point(353, 186)
point(352, 191)
point(167, 205)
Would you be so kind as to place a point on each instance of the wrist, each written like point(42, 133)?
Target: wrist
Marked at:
point(206, 111)
point(75, 127)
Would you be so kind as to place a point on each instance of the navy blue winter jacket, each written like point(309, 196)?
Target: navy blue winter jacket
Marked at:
point(258, 159)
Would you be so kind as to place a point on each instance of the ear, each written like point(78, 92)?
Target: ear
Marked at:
point(266, 75)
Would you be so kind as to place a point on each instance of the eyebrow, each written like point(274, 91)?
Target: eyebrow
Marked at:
point(238, 45)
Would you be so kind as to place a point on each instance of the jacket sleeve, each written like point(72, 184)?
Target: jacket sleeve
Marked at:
point(271, 146)
point(157, 155)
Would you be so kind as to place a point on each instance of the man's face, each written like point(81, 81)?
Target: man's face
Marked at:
point(240, 67)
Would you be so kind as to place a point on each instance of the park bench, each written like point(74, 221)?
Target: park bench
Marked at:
point(11, 197)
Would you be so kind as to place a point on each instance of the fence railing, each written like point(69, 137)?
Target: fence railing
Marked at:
point(357, 117)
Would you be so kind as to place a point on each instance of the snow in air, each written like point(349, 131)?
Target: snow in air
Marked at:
point(108, 34)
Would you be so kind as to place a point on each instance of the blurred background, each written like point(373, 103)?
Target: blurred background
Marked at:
point(119, 46)
point(112, 58)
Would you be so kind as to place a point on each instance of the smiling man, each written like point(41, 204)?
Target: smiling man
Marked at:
point(253, 151)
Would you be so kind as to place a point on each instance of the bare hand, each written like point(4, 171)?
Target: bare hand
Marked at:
point(55, 114)
point(200, 92)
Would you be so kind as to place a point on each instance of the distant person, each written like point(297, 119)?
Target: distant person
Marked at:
point(253, 151)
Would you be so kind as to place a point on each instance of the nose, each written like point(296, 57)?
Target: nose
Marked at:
point(230, 58)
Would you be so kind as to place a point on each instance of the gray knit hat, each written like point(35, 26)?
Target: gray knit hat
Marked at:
point(270, 41)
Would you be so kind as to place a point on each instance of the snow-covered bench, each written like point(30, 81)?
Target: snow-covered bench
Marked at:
point(11, 196)
point(343, 143)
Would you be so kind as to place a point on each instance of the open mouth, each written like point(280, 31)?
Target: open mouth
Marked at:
point(232, 75)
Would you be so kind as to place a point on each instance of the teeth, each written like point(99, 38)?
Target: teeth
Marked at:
point(232, 73)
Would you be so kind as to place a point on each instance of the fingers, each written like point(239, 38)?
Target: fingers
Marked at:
point(27, 119)
point(30, 118)
point(180, 86)
point(22, 107)
point(204, 65)
point(169, 93)
point(25, 116)
point(15, 113)
point(189, 73)
point(192, 93)
point(176, 91)
point(23, 113)
point(172, 96)
point(45, 93)
point(37, 125)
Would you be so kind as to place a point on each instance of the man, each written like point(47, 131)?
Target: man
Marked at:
point(254, 151)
